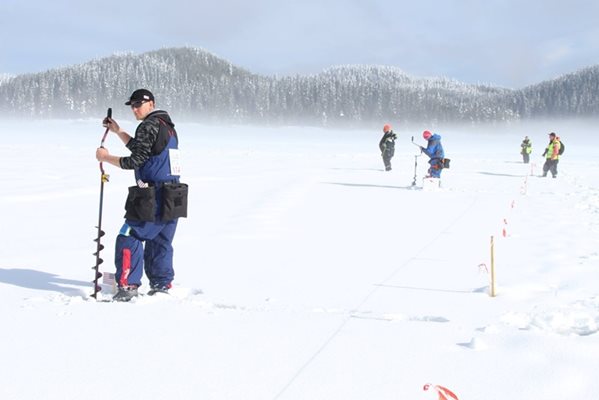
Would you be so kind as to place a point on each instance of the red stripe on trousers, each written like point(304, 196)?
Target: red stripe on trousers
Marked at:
point(126, 268)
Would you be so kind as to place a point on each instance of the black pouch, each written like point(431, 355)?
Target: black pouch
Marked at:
point(141, 204)
point(174, 201)
point(446, 162)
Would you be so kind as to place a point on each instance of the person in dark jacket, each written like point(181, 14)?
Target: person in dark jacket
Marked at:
point(434, 150)
point(154, 160)
point(387, 146)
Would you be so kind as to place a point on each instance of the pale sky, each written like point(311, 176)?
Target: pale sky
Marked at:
point(505, 43)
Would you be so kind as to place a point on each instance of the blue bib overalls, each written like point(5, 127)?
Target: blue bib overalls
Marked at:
point(156, 257)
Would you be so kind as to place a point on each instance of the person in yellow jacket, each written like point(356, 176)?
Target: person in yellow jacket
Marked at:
point(551, 155)
point(526, 149)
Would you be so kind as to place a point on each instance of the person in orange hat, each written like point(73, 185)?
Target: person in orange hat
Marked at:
point(387, 146)
point(434, 150)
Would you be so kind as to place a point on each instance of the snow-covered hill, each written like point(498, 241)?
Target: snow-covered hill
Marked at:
point(4, 77)
point(203, 87)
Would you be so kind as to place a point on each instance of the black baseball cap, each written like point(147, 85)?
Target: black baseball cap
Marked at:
point(140, 95)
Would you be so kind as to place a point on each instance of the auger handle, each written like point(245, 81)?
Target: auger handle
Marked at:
point(108, 115)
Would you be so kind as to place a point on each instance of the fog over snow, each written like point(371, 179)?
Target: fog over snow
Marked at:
point(304, 271)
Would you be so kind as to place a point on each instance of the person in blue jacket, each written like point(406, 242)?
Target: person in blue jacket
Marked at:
point(434, 150)
point(151, 149)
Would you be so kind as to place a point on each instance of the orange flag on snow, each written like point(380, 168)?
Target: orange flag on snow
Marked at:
point(444, 393)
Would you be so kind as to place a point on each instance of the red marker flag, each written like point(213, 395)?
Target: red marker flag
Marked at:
point(444, 393)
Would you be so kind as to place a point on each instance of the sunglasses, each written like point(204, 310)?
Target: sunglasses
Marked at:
point(137, 104)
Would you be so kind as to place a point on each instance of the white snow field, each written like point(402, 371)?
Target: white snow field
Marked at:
point(304, 271)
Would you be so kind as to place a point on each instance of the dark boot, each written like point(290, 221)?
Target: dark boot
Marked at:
point(125, 293)
point(159, 289)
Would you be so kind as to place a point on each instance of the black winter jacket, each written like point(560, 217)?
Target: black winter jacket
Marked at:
point(387, 143)
point(151, 136)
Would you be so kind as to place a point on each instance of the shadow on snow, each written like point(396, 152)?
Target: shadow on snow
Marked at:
point(496, 174)
point(39, 280)
point(373, 186)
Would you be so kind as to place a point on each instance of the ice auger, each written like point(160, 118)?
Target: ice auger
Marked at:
point(99, 246)
point(416, 161)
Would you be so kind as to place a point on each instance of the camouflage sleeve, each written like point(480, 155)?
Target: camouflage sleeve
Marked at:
point(141, 145)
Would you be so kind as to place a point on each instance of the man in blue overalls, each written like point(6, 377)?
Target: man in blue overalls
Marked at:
point(154, 161)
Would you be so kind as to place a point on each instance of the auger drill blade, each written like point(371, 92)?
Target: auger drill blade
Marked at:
point(100, 248)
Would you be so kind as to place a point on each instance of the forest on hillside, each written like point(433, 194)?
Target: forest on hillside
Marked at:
point(196, 85)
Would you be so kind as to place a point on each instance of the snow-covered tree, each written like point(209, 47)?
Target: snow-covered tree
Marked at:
point(195, 84)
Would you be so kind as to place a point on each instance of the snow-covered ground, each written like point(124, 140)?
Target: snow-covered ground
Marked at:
point(304, 271)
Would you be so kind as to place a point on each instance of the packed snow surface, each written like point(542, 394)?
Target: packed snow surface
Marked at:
point(304, 271)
